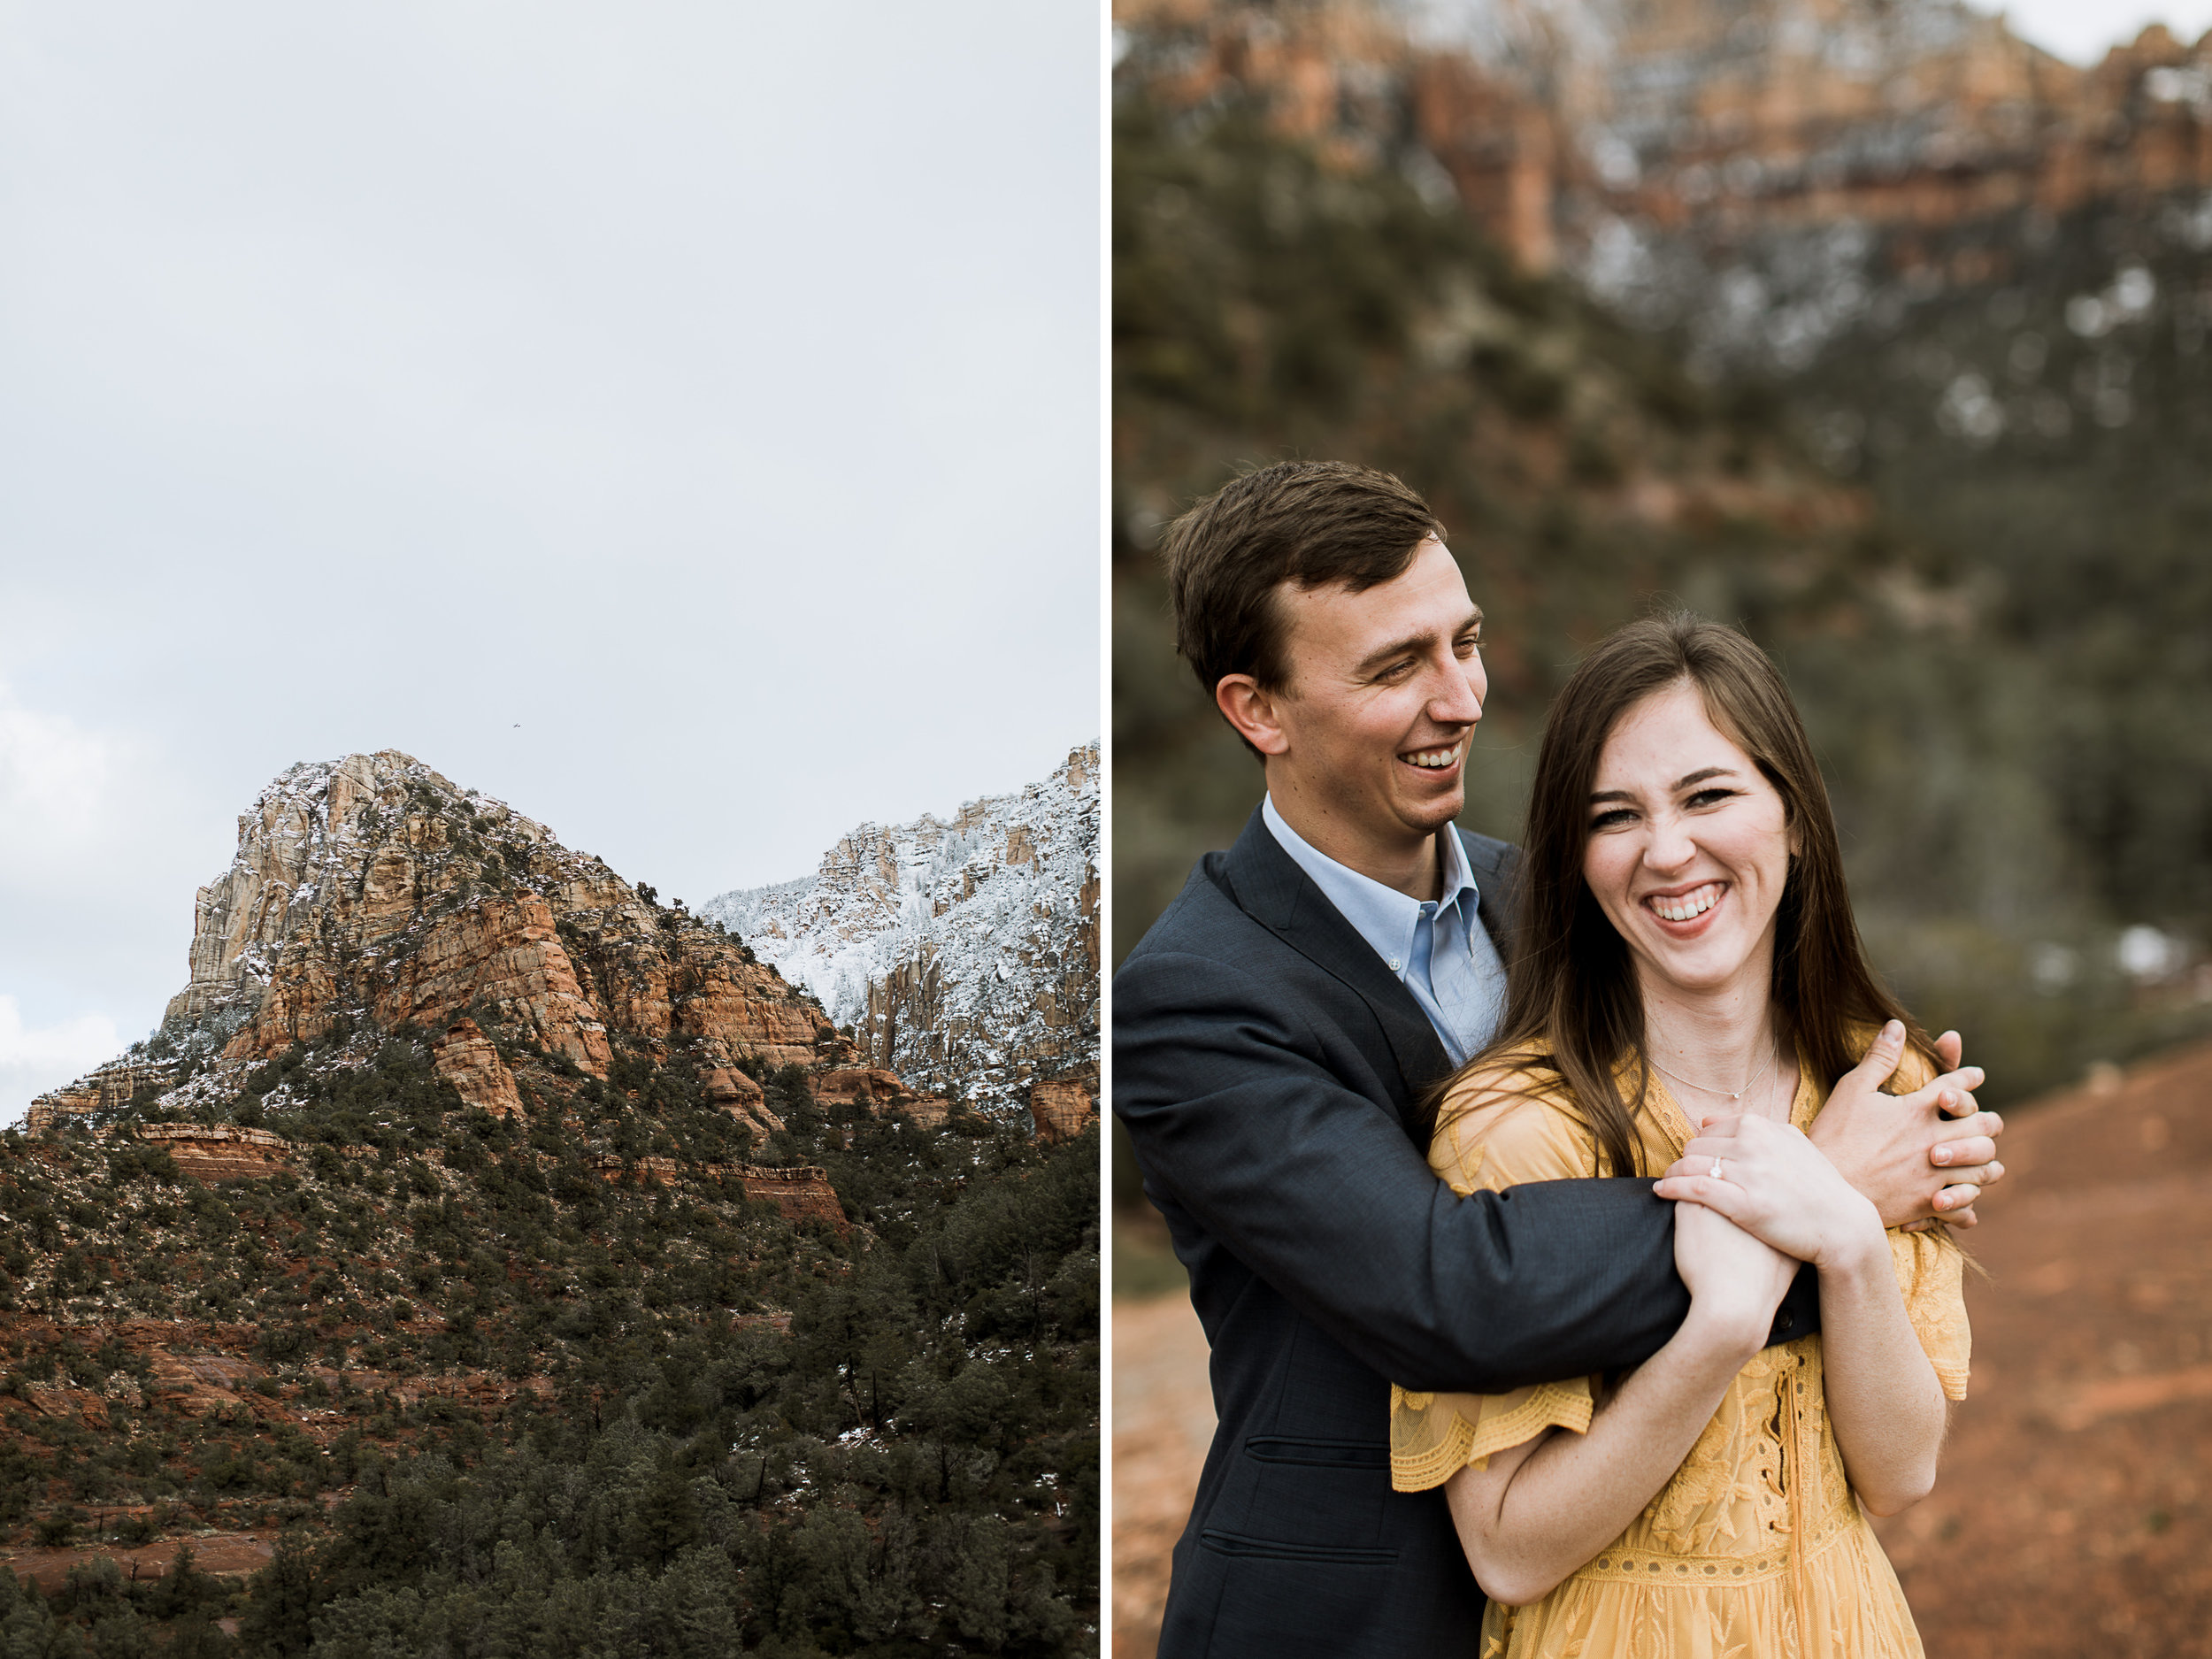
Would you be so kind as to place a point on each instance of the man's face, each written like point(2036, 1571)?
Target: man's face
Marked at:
point(1383, 692)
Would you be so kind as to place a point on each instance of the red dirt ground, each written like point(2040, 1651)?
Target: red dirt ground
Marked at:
point(227, 1554)
point(2073, 1515)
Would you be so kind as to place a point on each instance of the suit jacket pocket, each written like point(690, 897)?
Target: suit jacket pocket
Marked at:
point(1278, 1549)
point(1272, 1600)
point(1275, 1448)
point(1313, 1493)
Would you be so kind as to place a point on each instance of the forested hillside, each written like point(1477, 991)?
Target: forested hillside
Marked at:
point(554, 1383)
point(533, 1264)
point(1996, 643)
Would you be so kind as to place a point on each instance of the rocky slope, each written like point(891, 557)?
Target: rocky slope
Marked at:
point(216, 1334)
point(371, 892)
point(961, 953)
point(461, 1171)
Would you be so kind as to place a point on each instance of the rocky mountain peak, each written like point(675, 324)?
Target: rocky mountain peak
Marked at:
point(365, 851)
point(373, 890)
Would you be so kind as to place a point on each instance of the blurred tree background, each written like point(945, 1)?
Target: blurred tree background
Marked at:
point(2002, 645)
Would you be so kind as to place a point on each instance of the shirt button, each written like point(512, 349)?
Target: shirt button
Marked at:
point(1395, 965)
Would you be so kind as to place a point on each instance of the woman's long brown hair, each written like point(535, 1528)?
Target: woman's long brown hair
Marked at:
point(1573, 1010)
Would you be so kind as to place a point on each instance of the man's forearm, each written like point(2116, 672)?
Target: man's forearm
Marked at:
point(1240, 1122)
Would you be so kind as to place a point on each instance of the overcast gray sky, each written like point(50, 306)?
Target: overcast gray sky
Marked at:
point(2082, 31)
point(681, 421)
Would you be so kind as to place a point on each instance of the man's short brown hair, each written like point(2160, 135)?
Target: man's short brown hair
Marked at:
point(1315, 523)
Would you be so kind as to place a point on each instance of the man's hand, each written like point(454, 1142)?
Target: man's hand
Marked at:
point(1970, 1164)
point(1898, 1151)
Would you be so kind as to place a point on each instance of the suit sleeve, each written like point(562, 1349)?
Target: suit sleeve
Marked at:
point(1238, 1120)
point(1492, 1148)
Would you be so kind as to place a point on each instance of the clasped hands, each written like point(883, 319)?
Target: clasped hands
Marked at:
point(1912, 1159)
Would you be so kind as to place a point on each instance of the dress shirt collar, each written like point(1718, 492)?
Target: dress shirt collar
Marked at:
point(1384, 916)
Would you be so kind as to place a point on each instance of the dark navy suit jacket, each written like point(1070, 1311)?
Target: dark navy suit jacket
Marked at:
point(1265, 1064)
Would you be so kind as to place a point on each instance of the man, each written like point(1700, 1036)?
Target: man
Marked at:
point(1273, 1035)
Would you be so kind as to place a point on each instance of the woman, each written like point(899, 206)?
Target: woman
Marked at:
point(1686, 952)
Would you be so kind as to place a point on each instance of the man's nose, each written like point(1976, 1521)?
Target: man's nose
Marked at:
point(1457, 700)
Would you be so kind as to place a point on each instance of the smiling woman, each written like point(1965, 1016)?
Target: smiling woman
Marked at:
point(1690, 865)
point(1686, 919)
point(1676, 777)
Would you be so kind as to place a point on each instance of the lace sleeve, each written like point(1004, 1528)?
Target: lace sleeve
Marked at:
point(1930, 1268)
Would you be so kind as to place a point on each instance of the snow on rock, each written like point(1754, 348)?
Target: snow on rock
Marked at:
point(962, 953)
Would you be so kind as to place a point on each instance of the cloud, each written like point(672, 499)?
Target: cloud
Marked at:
point(104, 839)
point(35, 1058)
point(55, 779)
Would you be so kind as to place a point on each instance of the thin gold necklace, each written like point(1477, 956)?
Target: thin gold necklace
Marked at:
point(1727, 1094)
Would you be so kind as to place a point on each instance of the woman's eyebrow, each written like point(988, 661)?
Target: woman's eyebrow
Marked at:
point(1684, 783)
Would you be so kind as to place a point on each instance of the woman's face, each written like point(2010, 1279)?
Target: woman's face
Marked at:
point(1689, 847)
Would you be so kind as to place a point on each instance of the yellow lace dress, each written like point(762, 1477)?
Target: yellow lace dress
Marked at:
point(1756, 1547)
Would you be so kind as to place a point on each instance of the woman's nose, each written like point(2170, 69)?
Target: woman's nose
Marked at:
point(1668, 846)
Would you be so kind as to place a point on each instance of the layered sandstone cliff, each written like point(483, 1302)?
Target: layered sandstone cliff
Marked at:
point(962, 953)
point(110, 1088)
point(375, 885)
point(220, 1152)
point(1659, 147)
point(373, 890)
point(1063, 1108)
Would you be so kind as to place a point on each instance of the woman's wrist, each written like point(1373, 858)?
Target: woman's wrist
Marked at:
point(1856, 1245)
point(1733, 1326)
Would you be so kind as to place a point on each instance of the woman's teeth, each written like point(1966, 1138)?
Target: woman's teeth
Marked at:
point(1693, 903)
point(1436, 759)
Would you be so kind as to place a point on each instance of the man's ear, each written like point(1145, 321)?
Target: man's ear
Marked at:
point(1252, 710)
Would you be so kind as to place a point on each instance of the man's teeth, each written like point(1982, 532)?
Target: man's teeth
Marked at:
point(1694, 903)
point(1434, 758)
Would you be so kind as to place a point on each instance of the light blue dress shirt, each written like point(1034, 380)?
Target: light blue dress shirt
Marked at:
point(1439, 951)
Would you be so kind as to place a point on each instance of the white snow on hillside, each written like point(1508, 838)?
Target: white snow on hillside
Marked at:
point(962, 953)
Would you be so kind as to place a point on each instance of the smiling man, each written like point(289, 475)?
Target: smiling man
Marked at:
point(1276, 1034)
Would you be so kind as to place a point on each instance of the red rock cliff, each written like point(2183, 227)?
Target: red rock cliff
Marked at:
point(372, 889)
point(375, 887)
point(1699, 117)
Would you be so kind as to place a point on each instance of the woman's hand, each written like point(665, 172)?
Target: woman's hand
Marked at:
point(1732, 1276)
point(1774, 1185)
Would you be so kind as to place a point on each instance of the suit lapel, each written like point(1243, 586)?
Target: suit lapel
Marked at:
point(1493, 863)
point(1268, 885)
